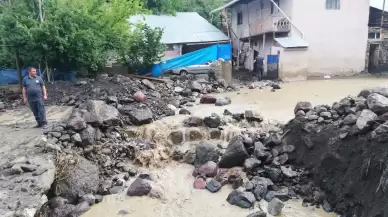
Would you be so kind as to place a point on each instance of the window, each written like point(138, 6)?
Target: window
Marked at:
point(274, 9)
point(239, 18)
point(374, 35)
point(333, 4)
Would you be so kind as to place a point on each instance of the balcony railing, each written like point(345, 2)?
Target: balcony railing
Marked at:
point(269, 24)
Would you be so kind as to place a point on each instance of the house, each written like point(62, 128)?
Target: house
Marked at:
point(300, 38)
point(183, 33)
point(377, 48)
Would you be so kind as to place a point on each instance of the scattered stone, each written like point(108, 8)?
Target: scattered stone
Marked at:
point(213, 186)
point(366, 119)
point(176, 137)
point(123, 212)
point(184, 112)
point(241, 199)
point(377, 103)
point(282, 194)
point(195, 86)
point(223, 101)
point(215, 134)
point(327, 207)
point(199, 183)
point(139, 96)
point(209, 169)
point(204, 152)
point(89, 198)
point(350, 119)
point(258, 214)
point(275, 207)
point(207, 99)
point(235, 154)
point(281, 159)
point(251, 164)
point(213, 121)
point(288, 172)
point(63, 211)
point(148, 84)
point(81, 208)
point(253, 116)
point(304, 106)
point(28, 168)
point(139, 187)
point(16, 170)
point(193, 121)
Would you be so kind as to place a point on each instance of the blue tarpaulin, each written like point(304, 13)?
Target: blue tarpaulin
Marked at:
point(10, 76)
point(202, 56)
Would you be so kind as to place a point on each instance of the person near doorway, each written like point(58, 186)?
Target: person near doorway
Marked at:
point(34, 93)
point(259, 62)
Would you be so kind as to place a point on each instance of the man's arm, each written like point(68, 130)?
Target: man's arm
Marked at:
point(24, 95)
point(43, 89)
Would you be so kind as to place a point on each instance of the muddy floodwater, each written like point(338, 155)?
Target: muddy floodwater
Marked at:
point(182, 200)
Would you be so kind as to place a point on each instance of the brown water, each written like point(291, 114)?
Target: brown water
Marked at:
point(181, 200)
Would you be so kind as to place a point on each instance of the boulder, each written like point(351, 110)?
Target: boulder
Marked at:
point(80, 208)
point(281, 159)
point(76, 139)
point(148, 84)
point(326, 115)
point(235, 153)
point(380, 134)
point(209, 169)
point(76, 121)
point(138, 114)
point(366, 119)
point(80, 181)
point(212, 121)
point(253, 116)
point(193, 121)
point(63, 211)
point(139, 187)
point(207, 99)
point(112, 100)
point(251, 164)
point(88, 136)
point(199, 183)
point(350, 119)
point(176, 137)
point(204, 152)
point(382, 90)
point(377, 103)
point(304, 106)
point(273, 173)
point(282, 194)
point(100, 113)
point(223, 101)
point(195, 86)
point(241, 199)
point(275, 207)
point(139, 96)
point(288, 172)
point(213, 186)
point(184, 112)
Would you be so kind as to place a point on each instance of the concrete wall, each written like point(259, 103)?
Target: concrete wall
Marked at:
point(337, 38)
point(293, 64)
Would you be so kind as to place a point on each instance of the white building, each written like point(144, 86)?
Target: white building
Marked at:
point(310, 37)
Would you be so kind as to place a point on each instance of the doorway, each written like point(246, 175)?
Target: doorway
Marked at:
point(373, 57)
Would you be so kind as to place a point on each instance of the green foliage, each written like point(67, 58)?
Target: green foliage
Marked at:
point(145, 48)
point(74, 34)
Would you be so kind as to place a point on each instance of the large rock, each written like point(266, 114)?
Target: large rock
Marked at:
point(275, 207)
point(258, 214)
point(366, 119)
point(212, 121)
point(207, 99)
point(350, 119)
point(251, 164)
point(148, 84)
point(76, 121)
point(204, 152)
point(235, 154)
point(304, 106)
point(381, 133)
point(241, 199)
point(139, 96)
point(83, 179)
point(63, 211)
point(195, 86)
point(193, 121)
point(213, 186)
point(138, 114)
point(100, 113)
point(383, 90)
point(253, 116)
point(139, 187)
point(88, 136)
point(222, 101)
point(209, 169)
point(377, 103)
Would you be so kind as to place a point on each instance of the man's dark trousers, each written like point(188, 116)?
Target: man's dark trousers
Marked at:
point(37, 107)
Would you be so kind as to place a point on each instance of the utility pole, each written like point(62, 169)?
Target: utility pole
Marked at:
point(382, 19)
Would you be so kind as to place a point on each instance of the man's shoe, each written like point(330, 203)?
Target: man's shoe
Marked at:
point(44, 125)
point(38, 126)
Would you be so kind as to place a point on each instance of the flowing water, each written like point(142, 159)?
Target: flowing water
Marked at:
point(181, 200)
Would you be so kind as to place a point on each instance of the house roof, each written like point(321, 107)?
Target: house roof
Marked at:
point(225, 6)
point(184, 27)
point(292, 42)
point(379, 4)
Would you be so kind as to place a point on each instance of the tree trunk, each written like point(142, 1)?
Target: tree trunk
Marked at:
point(20, 77)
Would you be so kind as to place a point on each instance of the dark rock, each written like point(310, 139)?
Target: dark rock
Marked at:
point(28, 168)
point(223, 101)
point(215, 134)
point(258, 214)
point(380, 134)
point(76, 121)
point(204, 152)
point(281, 159)
point(145, 176)
point(350, 119)
point(100, 113)
point(209, 169)
point(65, 137)
point(288, 172)
point(199, 183)
point(235, 154)
point(112, 100)
point(139, 187)
point(282, 194)
point(300, 113)
point(139, 96)
point(176, 137)
point(213, 186)
point(260, 191)
point(123, 212)
point(227, 112)
point(116, 189)
point(274, 139)
point(186, 92)
point(207, 99)
point(304, 106)
point(16, 170)
point(377, 103)
point(88, 136)
point(63, 211)
point(193, 121)
point(380, 90)
point(55, 134)
point(81, 208)
point(253, 116)
point(251, 164)
point(312, 117)
point(99, 198)
point(213, 121)
point(366, 119)
point(195, 86)
point(76, 138)
point(148, 84)
point(241, 199)
point(138, 114)
point(326, 206)
point(287, 149)
point(275, 207)
point(325, 115)
point(56, 202)
point(82, 180)
point(249, 186)
point(184, 112)
point(89, 198)
point(273, 173)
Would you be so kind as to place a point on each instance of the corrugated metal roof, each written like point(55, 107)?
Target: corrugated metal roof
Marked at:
point(225, 6)
point(293, 41)
point(184, 27)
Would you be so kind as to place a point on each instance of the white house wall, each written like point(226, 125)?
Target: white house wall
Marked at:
point(337, 38)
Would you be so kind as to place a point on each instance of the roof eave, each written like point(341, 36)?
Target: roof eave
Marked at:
point(224, 6)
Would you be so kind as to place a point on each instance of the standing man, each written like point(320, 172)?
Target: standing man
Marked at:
point(34, 92)
point(259, 61)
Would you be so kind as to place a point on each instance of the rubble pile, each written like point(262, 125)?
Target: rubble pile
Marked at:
point(345, 145)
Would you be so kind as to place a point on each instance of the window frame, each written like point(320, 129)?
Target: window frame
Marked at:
point(333, 4)
point(239, 18)
point(273, 6)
